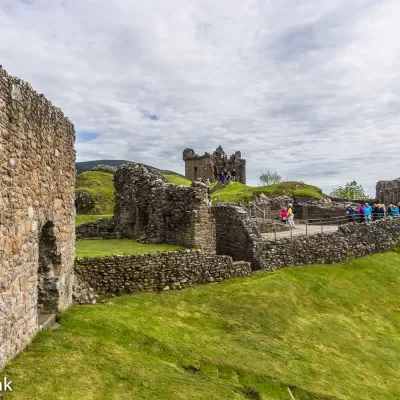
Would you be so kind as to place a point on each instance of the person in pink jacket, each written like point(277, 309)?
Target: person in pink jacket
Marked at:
point(283, 214)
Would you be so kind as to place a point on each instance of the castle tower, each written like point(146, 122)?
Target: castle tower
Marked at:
point(209, 166)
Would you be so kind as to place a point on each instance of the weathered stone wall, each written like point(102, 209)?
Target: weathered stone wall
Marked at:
point(149, 208)
point(37, 179)
point(351, 240)
point(100, 229)
point(237, 234)
point(209, 166)
point(155, 272)
point(270, 225)
point(388, 191)
point(104, 168)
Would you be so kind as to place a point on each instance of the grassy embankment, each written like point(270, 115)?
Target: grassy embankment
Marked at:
point(110, 247)
point(329, 332)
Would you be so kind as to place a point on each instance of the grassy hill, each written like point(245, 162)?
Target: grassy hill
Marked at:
point(329, 332)
point(100, 185)
point(237, 192)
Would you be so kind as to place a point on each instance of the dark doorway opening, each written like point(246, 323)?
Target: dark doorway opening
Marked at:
point(47, 284)
point(195, 173)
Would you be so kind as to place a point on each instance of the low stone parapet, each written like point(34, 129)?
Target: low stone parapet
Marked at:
point(101, 229)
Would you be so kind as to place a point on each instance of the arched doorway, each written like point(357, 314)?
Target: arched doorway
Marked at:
point(47, 283)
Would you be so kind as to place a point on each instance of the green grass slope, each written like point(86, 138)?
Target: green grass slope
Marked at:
point(237, 192)
point(178, 180)
point(329, 332)
point(100, 185)
point(111, 247)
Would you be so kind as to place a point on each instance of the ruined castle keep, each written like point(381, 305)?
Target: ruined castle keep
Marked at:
point(388, 191)
point(209, 166)
point(37, 179)
point(150, 209)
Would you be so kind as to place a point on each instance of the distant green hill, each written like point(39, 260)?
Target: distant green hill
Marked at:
point(88, 165)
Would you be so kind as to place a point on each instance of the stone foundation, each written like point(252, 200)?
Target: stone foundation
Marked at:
point(37, 179)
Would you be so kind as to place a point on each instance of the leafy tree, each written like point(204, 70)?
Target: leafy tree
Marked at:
point(269, 178)
point(352, 191)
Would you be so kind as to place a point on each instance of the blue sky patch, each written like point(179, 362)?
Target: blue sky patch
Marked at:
point(86, 136)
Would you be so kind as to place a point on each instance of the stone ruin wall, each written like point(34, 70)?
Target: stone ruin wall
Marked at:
point(154, 272)
point(37, 178)
point(209, 166)
point(237, 234)
point(150, 209)
point(388, 191)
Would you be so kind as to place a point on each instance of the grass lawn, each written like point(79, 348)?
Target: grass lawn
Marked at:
point(109, 247)
point(82, 219)
point(237, 192)
point(330, 332)
point(178, 180)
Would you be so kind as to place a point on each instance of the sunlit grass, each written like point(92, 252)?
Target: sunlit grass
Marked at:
point(330, 332)
point(109, 247)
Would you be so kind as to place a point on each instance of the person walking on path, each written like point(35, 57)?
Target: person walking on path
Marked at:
point(208, 182)
point(395, 210)
point(368, 213)
point(290, 217)
point(283, 215)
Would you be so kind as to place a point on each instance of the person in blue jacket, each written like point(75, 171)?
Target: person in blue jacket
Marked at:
point(368, 213)
point(395, 210)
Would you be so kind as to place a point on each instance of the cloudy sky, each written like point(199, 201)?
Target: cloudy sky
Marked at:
point(308, 88)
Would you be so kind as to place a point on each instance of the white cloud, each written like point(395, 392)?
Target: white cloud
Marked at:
point(307, 88)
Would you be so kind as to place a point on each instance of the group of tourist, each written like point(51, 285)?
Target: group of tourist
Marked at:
point(367, 213)
point(287, 215)
point(226, 176)
point(362, 213)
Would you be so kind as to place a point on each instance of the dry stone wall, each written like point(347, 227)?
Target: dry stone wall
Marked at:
point(37, 179)
point(153, 272)
point(101, 229)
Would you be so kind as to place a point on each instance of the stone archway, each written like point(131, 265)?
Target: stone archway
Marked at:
point(47, 282)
